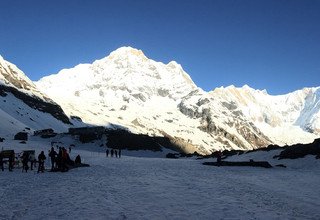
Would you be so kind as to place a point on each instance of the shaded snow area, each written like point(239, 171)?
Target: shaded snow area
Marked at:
point(159, 188)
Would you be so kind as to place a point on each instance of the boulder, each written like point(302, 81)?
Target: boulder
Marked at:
point(22, 136)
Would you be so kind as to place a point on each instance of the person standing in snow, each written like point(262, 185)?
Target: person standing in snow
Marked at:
point(64, 160)
point(111, 152)
point(119, 153)
point(59, 159)
point(1, 162)
point(52, 155)
point(219, 156)
point(41, 159)
point(11, 159)
point(78, 160)
point(107, 153)
point(25, 160)
point(116, 153)
point(32, 160)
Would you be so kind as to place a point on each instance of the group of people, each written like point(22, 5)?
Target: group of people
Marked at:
point(113, 152)
point(27, 157)
point(61, 161)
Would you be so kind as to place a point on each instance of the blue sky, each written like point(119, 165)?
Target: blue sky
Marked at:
point(267, 44)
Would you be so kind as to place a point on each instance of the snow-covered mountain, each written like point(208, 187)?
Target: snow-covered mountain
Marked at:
point(285, 119)
point(23, 107)
point(128, 89)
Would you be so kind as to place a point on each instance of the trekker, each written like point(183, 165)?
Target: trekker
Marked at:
point(219, 156)
point(116, 153)
point(64, 160)
point(41, 159)
point(107, 153)
point(25, 160)
point(1, 162)
point(32, 160)
point(77, 160)
point(59, 159)
point(11, 159)
point(52, 155)
point(111, 152)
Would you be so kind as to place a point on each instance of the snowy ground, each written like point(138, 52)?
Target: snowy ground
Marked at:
point(159, 188)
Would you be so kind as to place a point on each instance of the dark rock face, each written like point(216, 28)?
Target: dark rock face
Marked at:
point(88, 134)
point(86, 138)
point(23, 136)
point(74, 117)
point(36, 103)
point(126, 140)
point(250, 163)
point(122, 139)
point(231, 106)
point(268, 148)
point(300, 150)
point(172, 156)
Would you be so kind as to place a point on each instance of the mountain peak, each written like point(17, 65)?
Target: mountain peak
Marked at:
point(173, 64)
point(127, 52)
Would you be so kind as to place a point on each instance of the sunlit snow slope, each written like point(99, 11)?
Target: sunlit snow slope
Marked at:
point(23, 107)
point(126, 88)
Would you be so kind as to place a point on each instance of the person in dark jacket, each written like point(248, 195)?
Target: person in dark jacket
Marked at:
point(119, 153)
point(64, 160)
point(1, 162)
point(41, 159)
point(77, 161)
point(32, 160)
point(52, 156)
point(219, 157)
point(25, 160)
point(59, 159)
point(107, 153)
point(11, 160)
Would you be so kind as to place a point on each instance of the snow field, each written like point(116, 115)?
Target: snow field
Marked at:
point(159, 188)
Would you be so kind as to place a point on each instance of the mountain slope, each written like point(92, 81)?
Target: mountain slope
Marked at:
point(128, 89)
point(285, 119)
point(23, 106)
